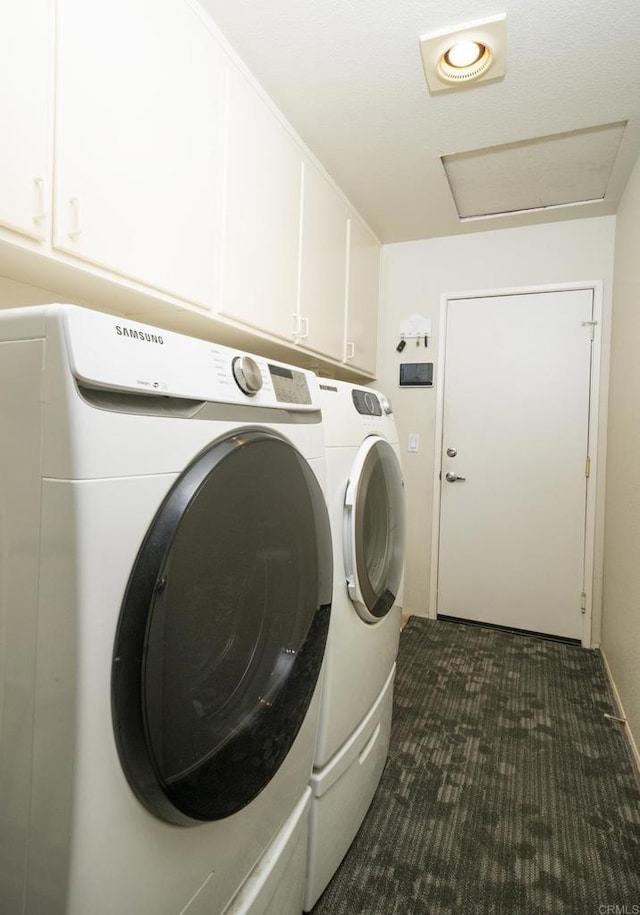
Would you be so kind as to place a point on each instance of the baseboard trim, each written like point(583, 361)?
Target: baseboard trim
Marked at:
point(628, 732)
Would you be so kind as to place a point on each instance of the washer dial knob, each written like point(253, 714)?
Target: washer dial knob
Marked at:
point(247, 374)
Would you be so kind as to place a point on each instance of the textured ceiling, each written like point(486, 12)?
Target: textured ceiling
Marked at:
point(348, 75)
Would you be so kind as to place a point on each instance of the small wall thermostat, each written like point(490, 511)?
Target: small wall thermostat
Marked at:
point(416, 374)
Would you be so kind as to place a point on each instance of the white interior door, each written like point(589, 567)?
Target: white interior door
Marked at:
point(515, 433)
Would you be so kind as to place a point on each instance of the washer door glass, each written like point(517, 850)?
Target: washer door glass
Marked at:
point(374, 536)
point(222, 629)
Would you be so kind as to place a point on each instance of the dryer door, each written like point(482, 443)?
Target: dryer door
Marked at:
point(222, 629)
point(374, 529)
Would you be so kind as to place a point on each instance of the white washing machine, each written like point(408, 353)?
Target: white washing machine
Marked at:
point(166, 584)
point(366, 506)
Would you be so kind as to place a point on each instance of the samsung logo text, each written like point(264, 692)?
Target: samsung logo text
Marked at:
point(138, 335)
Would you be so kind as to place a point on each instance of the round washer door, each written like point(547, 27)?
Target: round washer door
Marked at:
point(222, 629)
point(374, 529)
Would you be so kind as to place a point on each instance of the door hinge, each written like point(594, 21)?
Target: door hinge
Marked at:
point(583, 602)
point(587, 467)
point(592, 328)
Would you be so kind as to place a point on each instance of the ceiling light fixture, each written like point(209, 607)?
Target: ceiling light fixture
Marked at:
point(464, 53)
point(465, 61)
point(475, 52)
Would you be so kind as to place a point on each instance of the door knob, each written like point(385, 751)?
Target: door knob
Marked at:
point(452, 477)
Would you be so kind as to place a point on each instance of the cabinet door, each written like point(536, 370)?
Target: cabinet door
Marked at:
point(141, 90)
point(261, 215)
point(362, 297)
point(323, 266)
point(26, 30)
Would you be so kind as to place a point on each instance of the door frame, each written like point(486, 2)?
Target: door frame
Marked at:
point(594, 518)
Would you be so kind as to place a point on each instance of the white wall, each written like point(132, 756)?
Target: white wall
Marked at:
point(414, 277)
point(621, 603)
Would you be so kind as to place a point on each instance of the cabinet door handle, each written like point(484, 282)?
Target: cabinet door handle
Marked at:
point(40, 202)
point(351, 350)
point(295, 333)
point(76, 211)
point(304, 322)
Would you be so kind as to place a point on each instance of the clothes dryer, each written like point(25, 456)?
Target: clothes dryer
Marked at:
point(366, 507)
point(166, 569)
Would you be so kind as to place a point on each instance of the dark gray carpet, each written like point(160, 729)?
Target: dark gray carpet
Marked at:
point(506, 790)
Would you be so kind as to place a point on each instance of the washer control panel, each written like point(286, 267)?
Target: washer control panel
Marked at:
point(109, 352)
point(289, 385)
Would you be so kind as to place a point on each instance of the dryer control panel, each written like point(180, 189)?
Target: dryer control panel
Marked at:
point(366, 403)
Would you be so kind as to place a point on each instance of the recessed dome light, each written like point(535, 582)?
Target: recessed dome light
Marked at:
point(465, 61)
point(473, 53)
point(464, 53)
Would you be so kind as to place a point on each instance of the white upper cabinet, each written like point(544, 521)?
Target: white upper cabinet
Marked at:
point(261, 215)
point(159, 161)
point(26, 30)
point(139, 142)
point(323, 266)
point(362, 297)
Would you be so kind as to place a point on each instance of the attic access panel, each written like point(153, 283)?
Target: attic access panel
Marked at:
point(555, 170)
